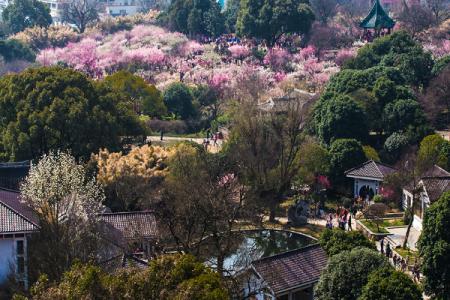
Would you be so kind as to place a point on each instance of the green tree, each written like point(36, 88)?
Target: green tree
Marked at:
point(179, 277)
point(344, 155)
point(389, 284)
point(269, 19)
point(313, 160)
point(339, 117)
point(434, 246)
point(21, 14)
point(195, 17)
point(14, 50)
point(145, 98)
point(371, 153)
point(47, 109)
point(347, 273)
point(434, 149)
point(385, 90)
point(396, 50)
point(231, 14)
point(407, 116)
point(351, 80)
point(394, 146)
point(178, 99)
point(336, 241)
point(440, 65)
point(416, 65)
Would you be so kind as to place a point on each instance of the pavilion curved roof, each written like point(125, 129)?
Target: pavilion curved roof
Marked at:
point(370, 169)
point(377, 18)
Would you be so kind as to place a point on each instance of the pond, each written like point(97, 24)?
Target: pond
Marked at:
point(256, 244)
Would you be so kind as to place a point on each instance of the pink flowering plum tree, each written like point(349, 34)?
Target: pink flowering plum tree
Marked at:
point(239, 51)
point(278, 59)
point(344, 55)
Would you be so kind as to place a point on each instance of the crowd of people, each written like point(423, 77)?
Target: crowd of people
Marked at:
point(214, 139)
point(399, 262)
point(343, 217)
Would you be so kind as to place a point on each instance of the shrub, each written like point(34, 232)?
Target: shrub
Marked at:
point(378, 199)
point(389, 284)
point(347, 273)
point(336, 241)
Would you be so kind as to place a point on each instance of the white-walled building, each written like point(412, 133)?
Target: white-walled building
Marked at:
point(429, 188)
point(368, 178)
point(56, 9)
point(122, 7)
point(16, 223)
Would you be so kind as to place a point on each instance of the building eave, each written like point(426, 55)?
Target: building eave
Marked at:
point(365, 178)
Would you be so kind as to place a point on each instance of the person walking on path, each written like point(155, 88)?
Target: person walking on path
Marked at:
point(388, 250)
point(382, 246)
point(349, 222)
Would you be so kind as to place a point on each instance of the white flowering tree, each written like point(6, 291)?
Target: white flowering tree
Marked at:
point(67, 204)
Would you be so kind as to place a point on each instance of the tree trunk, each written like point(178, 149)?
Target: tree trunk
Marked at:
point(411, 220)
point(272, 213)
point(407, 232)
point(220, 262)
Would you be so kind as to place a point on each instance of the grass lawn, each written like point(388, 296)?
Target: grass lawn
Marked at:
point(385, 223)
point(373, 227)
point(413, 255)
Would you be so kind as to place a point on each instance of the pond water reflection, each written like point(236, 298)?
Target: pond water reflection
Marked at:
point(252, 245)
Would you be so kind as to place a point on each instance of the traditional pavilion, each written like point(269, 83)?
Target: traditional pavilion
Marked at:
point(368, 178)
point(377, 22)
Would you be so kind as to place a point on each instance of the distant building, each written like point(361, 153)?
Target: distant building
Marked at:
point(432, 184)
point(117, 8)
point(17, 222)
point(287, 276)
point(56, 9)
point(377, 21)
point(367, 178)
point(137, 230)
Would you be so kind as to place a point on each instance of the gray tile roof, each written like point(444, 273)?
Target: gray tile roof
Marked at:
point(139, 224)
point(14, 215)
point(435, 171)
point(435, 187)
point(436, 181)
point(371, 169)
point(292, 269)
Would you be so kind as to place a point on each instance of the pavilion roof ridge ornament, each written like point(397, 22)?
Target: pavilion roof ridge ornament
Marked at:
point(377, 18)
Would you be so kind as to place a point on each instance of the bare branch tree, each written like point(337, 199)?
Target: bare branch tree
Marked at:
point(81, 13)
point(324, 9)
point(415, 18)
point(440, 9)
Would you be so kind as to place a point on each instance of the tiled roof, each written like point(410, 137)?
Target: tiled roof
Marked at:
point(435, 171)
point(371, 169)
point(436, 181)
point(14, 215)
point(291, 269)
point(435, 187)
point(377, 18)
point(140, 224)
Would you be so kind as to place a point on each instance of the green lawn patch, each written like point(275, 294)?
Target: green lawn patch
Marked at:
point(373, 227)
point(413, 255)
